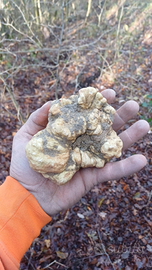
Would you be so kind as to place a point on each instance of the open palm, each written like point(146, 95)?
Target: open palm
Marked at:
point(54, 198)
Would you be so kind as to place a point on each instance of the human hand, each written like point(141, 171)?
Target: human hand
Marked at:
point(53, 198)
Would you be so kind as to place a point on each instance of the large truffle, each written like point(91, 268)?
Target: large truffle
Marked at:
point(78, 134)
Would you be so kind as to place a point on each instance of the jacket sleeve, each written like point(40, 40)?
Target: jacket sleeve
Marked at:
point(21, 220)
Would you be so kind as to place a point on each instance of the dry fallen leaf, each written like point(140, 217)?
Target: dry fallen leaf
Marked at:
point(100, 202)
point(47, 242)
point(80, 215)
point(102, 215)
point(149, 248)
point(62, 255)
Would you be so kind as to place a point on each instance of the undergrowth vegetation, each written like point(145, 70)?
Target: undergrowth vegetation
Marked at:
point(50, 49)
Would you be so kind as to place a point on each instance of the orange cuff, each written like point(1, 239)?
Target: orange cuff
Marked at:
point(21, 220)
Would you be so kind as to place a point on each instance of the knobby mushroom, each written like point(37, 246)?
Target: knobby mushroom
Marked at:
point(79, 134)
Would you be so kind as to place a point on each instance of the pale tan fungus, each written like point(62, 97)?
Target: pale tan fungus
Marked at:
point(78, 134)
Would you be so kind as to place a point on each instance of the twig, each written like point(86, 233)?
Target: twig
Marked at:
point(13, 40)
point(30, 263)
point(27, 22)
point(16, 105)
point(101, 11)
point(64, 48)
point(25, 67)
point(18, 31)
point(14, 116)
point(103, 64)
point(59, 51)
point(77, 79)
point(88, 10)
point(105, 250)
point(118, 30)
point(56, 263)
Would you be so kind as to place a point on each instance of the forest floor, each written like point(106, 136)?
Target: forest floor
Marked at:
point(111, 227)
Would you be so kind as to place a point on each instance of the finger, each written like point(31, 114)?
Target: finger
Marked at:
point(37, 120)
point(111, 171)
point(109, 94)
point(86, 179)
point(134, 133)
point(123, 168)
point(125, 113)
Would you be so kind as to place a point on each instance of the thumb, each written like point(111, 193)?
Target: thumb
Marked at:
point(37, 120)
